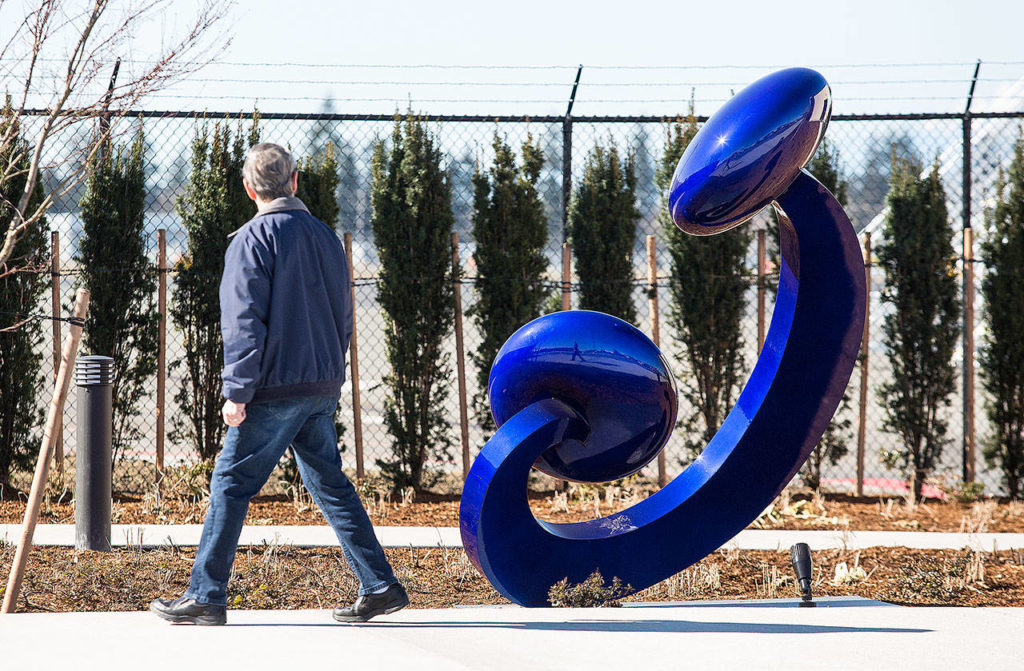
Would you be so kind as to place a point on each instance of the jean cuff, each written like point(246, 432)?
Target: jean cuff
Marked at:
point(200, 600)
point(373, 587)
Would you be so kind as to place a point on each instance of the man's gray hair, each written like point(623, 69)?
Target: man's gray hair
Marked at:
point(268, 169)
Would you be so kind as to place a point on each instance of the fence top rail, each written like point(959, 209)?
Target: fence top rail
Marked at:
point(519, 118)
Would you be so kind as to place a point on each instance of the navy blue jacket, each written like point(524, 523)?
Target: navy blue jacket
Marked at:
point(285, 307)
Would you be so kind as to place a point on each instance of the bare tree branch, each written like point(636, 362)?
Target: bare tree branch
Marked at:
point(95, 35)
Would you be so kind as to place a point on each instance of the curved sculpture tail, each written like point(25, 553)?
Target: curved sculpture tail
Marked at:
point(796, 385)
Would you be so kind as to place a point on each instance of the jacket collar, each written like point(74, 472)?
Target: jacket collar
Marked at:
point(282, 204)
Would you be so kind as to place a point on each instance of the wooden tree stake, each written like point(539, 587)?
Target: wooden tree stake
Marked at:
point(60, 393)
point(161, 352)
point(969, 458)
point(460, 356)
point(566, 276)
point(58, 452)
point(353, 359)
point(652, 302)
point(862, 421)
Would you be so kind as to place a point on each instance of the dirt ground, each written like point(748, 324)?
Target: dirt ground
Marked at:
point(63, 579)
point(792, 510)
point(276, 577)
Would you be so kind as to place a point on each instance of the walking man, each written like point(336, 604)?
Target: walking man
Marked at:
point(286, 318)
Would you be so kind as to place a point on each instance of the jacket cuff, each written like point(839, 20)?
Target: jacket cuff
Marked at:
point(238, 395)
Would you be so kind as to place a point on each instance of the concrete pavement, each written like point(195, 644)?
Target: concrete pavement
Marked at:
point(852, 634)
point(157, 535)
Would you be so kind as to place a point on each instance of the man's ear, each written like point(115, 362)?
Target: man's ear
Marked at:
point(295, 182)
point(249, 191)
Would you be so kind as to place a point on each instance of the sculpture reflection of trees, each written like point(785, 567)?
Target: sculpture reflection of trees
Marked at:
point(707, 290)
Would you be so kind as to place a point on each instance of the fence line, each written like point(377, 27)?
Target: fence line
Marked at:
point(863, 141)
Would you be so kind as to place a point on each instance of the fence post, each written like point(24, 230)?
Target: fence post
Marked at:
point(161, 351)
point(58, 450)
point(762, 245)
point(968, 440)
point(460, 355)
point(566, 305)
point(567, 157)
point(862, 421)
point(566, 276)
point(353, 360)
point(652, 302)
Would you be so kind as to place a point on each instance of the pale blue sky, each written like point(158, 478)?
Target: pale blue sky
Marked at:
point(285, 56)
point(625, 33)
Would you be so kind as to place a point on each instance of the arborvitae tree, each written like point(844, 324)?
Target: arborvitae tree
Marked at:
point(21, 377)
point(707, 291)
point(602, 223)
point(122, 320)
point(1002, 355)
point(214, 205)
point(318, 187)
point(922, 329)
point(352, 197)
point(412, 224)
point(318, 184)
point(510, 231)
point(824, 165)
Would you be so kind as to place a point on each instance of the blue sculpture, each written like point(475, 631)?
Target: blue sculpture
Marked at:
point(605, 368)
point(585, 396)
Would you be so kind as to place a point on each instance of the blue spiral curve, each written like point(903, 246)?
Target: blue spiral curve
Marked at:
point(797, 383)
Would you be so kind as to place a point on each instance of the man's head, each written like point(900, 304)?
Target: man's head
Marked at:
point(269, 172)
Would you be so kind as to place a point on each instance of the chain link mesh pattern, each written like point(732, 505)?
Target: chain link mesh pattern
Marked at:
point(864, 145)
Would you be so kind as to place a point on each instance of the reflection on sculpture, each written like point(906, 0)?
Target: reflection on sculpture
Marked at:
point(585, 396)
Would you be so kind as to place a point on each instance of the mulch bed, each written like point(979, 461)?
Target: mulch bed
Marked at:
point(283, 577)
point(269, 577)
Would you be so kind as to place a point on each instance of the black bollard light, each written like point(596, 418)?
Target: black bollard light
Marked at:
point(801, 555)
point(94, 376)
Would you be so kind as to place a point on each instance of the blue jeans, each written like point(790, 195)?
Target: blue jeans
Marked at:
point(251, 451)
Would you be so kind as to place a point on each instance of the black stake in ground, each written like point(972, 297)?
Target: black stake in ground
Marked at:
point(801, 554)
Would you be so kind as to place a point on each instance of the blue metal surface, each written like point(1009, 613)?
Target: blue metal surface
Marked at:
point(746, 155)
point(809, 353)
point(607, 370)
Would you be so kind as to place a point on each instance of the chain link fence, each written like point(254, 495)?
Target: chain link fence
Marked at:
point(865, 145)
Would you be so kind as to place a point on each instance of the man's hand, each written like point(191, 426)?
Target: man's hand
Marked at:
point(234, 413)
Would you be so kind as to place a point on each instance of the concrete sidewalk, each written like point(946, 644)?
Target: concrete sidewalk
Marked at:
point(160, 535)
point(157, 535)
point(853, 634)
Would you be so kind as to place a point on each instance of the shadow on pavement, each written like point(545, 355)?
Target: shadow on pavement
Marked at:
point(767, 603)
point(629, 626)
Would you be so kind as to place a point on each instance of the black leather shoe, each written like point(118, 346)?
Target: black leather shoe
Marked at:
point(371, 605)
point(186, 610)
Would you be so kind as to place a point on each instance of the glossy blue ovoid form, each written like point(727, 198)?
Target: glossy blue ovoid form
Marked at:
point(795, 387)
point(750, 151)
point(606, 369)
